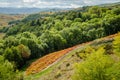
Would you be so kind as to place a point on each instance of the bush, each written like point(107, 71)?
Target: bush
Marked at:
point(13, 55)
point(6, 69)
point(97, 66)
point(116, 44)
point(24, 50)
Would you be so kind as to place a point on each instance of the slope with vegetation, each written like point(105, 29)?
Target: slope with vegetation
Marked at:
point(5, 19)
point(66, 67)
point(48, 33)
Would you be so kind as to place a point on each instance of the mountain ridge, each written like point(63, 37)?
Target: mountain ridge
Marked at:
point(24, 10)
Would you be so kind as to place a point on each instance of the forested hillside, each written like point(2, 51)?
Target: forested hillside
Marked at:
point(97, 59)
point(40, 34)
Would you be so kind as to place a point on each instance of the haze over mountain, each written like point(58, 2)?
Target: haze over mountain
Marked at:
point(31, 6)
point(11, 10)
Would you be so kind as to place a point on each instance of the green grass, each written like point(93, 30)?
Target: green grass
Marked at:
point(38, 75)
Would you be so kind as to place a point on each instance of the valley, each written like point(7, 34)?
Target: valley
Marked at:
point(70, 43)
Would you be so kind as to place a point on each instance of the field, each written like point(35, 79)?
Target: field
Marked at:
point(2, 35)
point(4, 19)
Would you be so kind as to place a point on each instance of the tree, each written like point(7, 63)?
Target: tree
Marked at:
point(6, 70)
point(54, 41)
point(13, 30)
point(67, 23)
point(72, 35)
point(32, 45)
point(11, 41)
point(77, 20)
point(92, 34)
point(111, 24)
point(1, 47)
point(32, 23)
point(86, 16)
point(58, 25)
point(95, 10)
point(38, 22)
point(24, 50)
point(31, 41)
point(13, 55)
point(116, 11)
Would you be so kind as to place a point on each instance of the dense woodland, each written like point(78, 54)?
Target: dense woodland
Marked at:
point(38, 35)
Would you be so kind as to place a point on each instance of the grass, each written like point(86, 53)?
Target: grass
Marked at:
point(2, 35)
point(4, 19)
point(38, 75)
point(49, 70)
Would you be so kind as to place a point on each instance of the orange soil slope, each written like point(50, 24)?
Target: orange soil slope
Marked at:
point(47, 60)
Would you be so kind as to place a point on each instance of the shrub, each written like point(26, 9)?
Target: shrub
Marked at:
point(116, 44)
point(6, 69)
point(97, 66)
point(13, 55)
point(24, 50)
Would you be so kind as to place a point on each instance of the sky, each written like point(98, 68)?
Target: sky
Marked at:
point(52, 3)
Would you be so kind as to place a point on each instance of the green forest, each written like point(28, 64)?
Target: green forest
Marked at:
point(39, 34)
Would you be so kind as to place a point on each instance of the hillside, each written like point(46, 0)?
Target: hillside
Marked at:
point(63, 67)
point(5, 19)
point(67, 45)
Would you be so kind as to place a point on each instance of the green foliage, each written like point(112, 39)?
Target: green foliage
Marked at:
point(11, 41)
point(116, 11)
point(95, 10)
point(97, 66)
point(13, 55)
point(54, 41)
point(85, 52)
point(24, 50)
point(58, 25)
point(31, 41)
point(72, 35)
point(6, 70)
point(43, 33)
point(116, 44)
point(111, 24)
point(1, 47)
point(77, 20)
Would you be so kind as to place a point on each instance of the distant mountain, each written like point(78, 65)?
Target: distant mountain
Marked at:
point(110, 4)
point(9, 10)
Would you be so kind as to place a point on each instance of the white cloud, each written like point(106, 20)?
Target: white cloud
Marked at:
point(75, 6)
point(96, 2)
point(52, 3)
point(4, 4)
point(88, 2)
point(30, 1)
